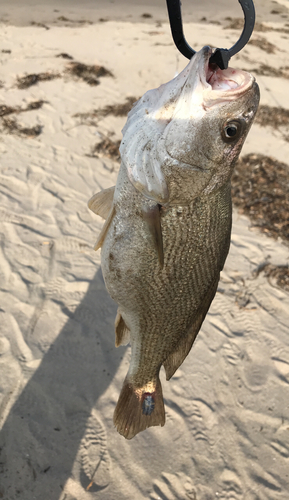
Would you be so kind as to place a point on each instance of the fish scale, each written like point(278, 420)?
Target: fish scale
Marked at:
point(182, 269)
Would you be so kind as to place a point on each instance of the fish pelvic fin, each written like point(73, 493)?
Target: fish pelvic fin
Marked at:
point(139, 408)
point(152, 217)
point(122, 333)
point(104, 230)
point(176, 358)
point(101, 203)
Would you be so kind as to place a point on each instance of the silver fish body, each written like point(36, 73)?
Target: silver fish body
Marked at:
point(168, 229)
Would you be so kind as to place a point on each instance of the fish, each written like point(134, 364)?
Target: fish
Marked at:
point(168, 222)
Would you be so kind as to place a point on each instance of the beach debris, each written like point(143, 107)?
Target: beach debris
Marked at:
point(263, 44)
point(107, 148)
point(272, 116)
point(237, 23)
point(168, 223)
point(276, 274)
point(24, 82)
point(40, 25)
point(75, 21)
point(260, 190)
point(64, 55)
point(266, 70)
point(121, 109)
point(89, 73)
point(8, 110)
point(11, 126)
point(146, 15)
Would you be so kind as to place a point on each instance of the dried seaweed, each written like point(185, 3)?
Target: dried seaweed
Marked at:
point(107, 148)
point(278, 274)
point(265, 70)
point(64, 55)
point(33, 105)
point(121, 109)
point(40, 25)
point(11, 126)
point(77, 21)
point(260, 190)
point(24, 82)
point(263, 44)
point(8, 110)
point(238, 24)
point(272, 116)
point(87, 72)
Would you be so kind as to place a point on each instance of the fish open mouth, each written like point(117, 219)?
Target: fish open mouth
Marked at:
point(230, 79)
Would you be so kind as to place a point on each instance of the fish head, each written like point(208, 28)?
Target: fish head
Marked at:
point(184, 138)
point(210, 122)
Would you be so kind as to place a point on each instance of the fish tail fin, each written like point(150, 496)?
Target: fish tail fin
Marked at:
point(139, 408)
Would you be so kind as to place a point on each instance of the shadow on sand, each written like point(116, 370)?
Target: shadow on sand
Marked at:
point(41, 436)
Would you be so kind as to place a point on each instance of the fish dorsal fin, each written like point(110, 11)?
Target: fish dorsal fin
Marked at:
point(101, 203)
point(122, 333)
point(152, 217)
point(104, 230)
point(176, 358)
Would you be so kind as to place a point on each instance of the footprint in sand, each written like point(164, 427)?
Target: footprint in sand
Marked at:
point(202, 419)
point(95, 459)
point(174, 487)
point(230, 487)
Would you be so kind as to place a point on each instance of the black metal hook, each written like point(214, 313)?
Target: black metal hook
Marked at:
point(220, 57)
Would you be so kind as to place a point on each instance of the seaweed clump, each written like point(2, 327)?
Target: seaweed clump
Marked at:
point(260, 190)
point(121, 109)
point(89, 73)
point(273, 116)
point(107, 148)
point(11, 126)
point(278, 274)
point(24, 82)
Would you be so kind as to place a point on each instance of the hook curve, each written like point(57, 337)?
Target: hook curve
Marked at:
point(220, 57)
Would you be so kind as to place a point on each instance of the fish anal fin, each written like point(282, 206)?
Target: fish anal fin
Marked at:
point(152, 217)
point(122, 333)
point(137, 409)
point(101, 203)
point(176, 358)
point(104, 229)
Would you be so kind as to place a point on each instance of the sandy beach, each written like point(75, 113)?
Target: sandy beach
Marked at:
point(68, 79)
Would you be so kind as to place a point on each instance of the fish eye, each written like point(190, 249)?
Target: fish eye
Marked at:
point(232, 131)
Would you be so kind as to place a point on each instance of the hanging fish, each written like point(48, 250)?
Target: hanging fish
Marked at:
point(168, 223)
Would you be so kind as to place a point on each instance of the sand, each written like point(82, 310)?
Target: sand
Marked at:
point(227, 407)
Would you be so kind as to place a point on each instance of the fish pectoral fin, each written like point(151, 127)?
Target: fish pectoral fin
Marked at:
point(152, 217)
point(176, 358)
point(122, 333)
point(101, 203)
point(104, 230)
point(136, 409)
